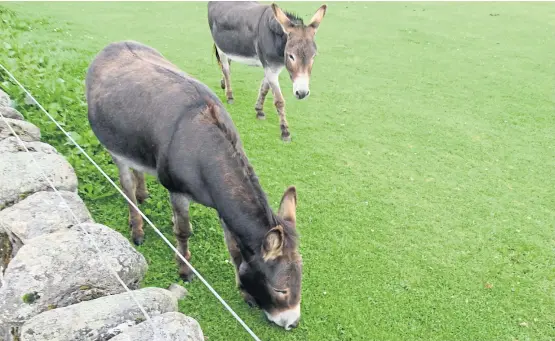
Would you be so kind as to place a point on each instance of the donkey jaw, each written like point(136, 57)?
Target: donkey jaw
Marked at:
point(287, 319)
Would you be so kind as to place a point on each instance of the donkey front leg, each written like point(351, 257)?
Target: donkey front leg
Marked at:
point(273, 79)
point(259, 107)
point(226, 70)
point(182, 229)
point(237, 260)
point(234, 251)
point(127, 181)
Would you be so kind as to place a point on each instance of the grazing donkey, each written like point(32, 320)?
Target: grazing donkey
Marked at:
point(154, 118)
point(262, 35)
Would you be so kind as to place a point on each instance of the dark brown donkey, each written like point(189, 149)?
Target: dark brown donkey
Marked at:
point(154, 118)
point(262, 35)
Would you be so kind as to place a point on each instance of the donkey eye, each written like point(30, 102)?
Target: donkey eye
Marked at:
point(291, 57)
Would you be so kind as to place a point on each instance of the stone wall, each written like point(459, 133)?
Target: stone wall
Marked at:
point(54, 285)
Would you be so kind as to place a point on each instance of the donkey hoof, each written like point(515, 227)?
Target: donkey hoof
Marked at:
point(187, 276)
point(138, 240)
point(222, 84)
point(141, 197)
point(260, 115)
point(230, 101)
point(286, 138)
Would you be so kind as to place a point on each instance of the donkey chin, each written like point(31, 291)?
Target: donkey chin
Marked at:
point(287, 319)
point(300, 86)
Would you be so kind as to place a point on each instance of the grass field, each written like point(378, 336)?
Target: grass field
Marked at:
point(424, 161)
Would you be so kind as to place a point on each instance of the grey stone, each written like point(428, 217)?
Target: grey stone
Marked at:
point(25, 130)
point(99, 319)
point(9, 112)
point(177, 290)
point(165, 327)
point(64, 268)
point(20, 176)
point(12, 145)
point(42, 213)
point(4, 99)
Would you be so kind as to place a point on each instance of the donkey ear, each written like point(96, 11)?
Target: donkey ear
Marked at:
point(317, 18)
point(282, 19)
point(288, 205)
point(272, 246)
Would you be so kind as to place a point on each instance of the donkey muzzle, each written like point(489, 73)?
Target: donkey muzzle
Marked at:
point(287, 319)
point(300, 86)
point(302, 94)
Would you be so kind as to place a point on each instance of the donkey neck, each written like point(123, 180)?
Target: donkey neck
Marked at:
point(241, 202)
point(271, 39)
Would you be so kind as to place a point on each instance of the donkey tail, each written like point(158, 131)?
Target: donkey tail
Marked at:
point(217, 55)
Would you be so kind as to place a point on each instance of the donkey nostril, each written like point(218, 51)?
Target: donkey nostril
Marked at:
point(308, 92)
point(293, 325)
point(297, 93)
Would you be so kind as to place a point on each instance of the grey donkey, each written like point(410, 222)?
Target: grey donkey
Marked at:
point(153, 118)
point(264, 35)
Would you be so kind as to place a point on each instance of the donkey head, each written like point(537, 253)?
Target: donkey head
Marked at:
point(300, 48)
point(271, 278)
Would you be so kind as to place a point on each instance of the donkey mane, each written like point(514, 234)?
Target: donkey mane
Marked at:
point(295, 18)
point(290, 233)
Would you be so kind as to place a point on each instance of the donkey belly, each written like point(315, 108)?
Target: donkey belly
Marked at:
point(135, 163)
point(246, 60)
point(121, 134)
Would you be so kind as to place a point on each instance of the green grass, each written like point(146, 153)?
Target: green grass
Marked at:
point(424, 161)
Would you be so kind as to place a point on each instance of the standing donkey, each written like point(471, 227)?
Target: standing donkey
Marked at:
point(263, 35)
point(154, 118)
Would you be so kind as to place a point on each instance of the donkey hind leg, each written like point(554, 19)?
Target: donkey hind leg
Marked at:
point(273, 79)
point(182, 229)
point(226, 70)
point(222, 81)
point(259, 107)
point(141, 193)
point(127, 181)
